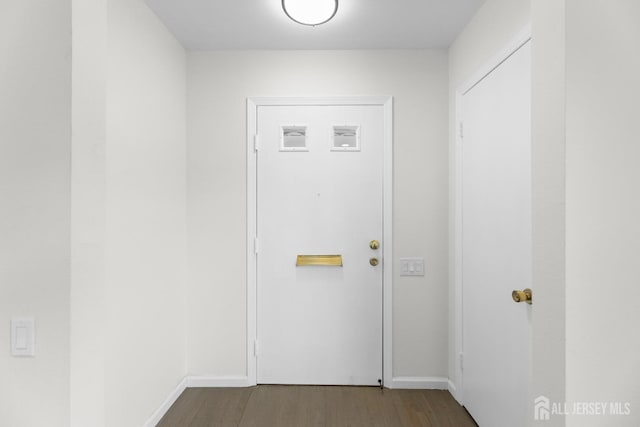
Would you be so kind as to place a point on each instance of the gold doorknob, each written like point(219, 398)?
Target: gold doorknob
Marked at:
point(374, 244)
point(525, 295)
point(373, 261)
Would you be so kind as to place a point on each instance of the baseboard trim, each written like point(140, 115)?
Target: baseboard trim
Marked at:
point(191, 382)
point(159, 413)
point(216, 382)
point(418, 383)
point(454, 392)
point(452, 388)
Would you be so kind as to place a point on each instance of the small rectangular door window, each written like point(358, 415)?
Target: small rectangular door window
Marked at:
point(293, 138)
point(346, 138)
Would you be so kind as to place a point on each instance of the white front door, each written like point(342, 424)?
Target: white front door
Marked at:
point(320, 201)
point(496, 242)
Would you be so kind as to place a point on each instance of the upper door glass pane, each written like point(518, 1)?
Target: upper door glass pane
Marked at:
point(346, 138)
point(294, 138)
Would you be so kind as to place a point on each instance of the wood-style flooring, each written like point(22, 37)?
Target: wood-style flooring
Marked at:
point(315, 406)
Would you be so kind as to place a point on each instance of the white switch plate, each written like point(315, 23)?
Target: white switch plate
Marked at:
point(23, 338)
point(412, 266)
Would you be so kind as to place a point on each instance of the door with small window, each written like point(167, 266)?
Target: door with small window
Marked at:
point(320, 229)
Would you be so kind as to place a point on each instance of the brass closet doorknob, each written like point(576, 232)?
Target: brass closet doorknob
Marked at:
point(525, 295)
point(374, 244)
point(373, 261)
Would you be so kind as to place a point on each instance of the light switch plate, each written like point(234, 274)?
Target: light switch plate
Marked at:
point(23, 337)
point(412, 266)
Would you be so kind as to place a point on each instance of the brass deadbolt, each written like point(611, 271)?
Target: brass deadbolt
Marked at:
point(374, 244)
point(373, 261)
point(525, 295)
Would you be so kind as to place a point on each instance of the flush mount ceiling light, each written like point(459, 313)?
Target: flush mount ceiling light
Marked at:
point(310, 12)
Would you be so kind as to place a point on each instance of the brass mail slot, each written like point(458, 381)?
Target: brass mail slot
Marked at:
point(325, 260)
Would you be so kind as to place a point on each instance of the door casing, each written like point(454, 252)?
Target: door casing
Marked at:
point(253, 105)
point(524, 36)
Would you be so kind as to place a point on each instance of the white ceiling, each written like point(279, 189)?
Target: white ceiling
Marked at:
point(359, 24)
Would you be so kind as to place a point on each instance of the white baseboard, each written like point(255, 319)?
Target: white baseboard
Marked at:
point(190, 382)
point(452, 388)
point(215, 382)
point(159, 413)
point(420, 383)
point(454, 392)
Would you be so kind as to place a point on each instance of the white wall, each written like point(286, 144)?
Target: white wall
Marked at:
point(89, 59)
point(35, 135)
point(548, 217)
point(603, 207)
point(129, 236)
point(495, 24)
point(219, 83)
point(586, 237)
point(488, 33)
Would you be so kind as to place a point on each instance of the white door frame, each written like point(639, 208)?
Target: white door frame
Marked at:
point(456, 384)
point(252, 217)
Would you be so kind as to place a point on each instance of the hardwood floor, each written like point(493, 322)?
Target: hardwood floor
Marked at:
point(315, 406)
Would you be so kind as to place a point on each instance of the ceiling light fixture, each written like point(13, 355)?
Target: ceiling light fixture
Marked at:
point(310, 12)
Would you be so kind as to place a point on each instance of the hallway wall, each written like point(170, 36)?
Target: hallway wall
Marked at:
point(603, 207)
point(145, 214)
point(35, 135)
point(585, 182)
point(548, 128)
point(129, 225)
point(219, 84)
